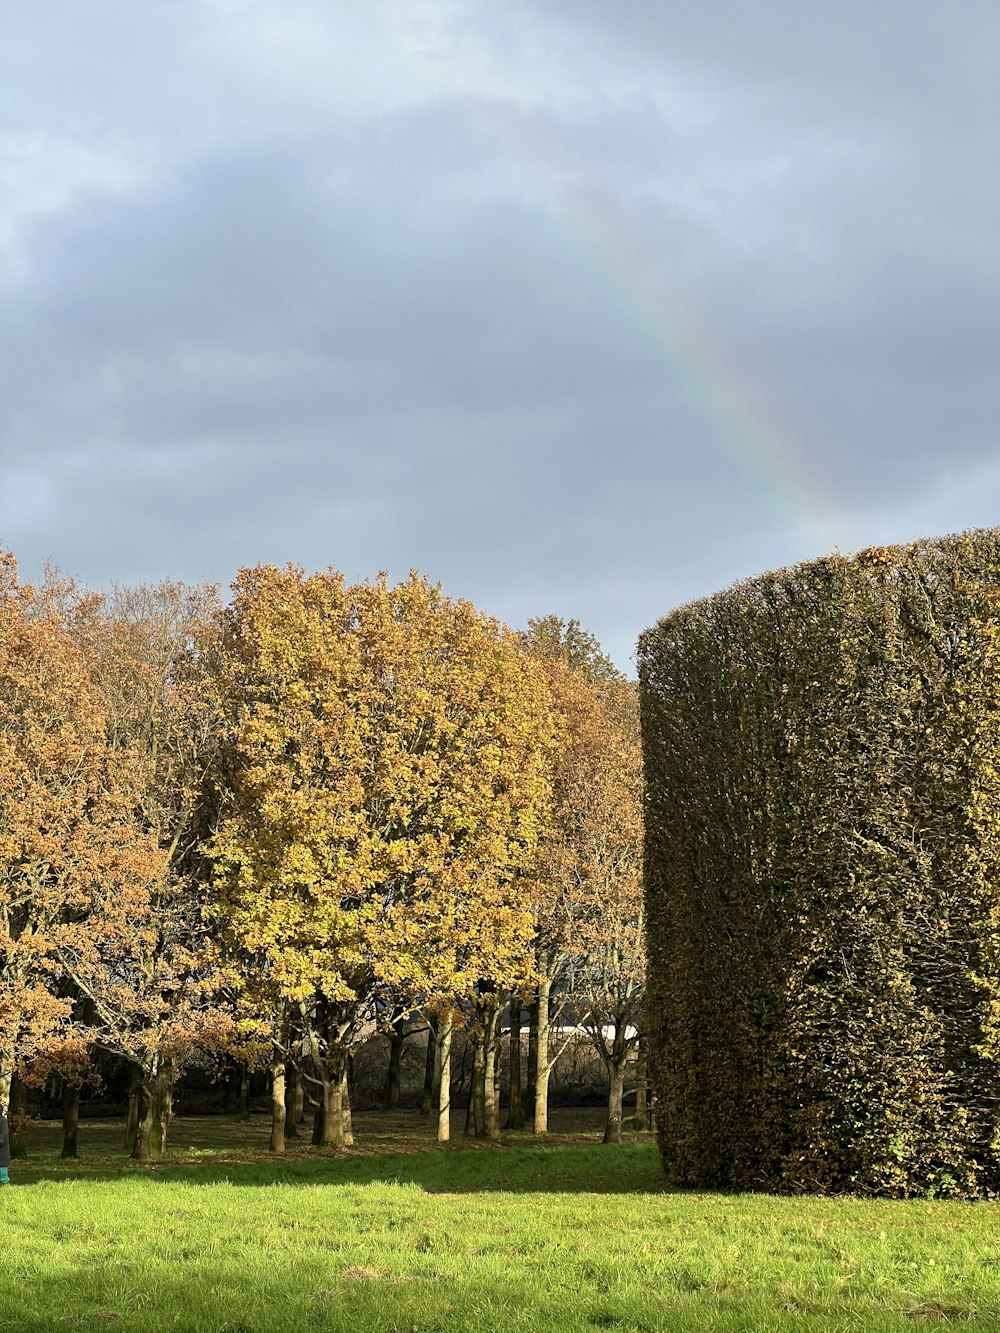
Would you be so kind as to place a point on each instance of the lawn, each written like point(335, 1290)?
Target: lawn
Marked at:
point(403, 1235)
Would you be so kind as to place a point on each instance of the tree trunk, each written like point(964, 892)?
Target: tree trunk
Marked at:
point(144, 1129)
point(132, 1118)
point(244, 1092)
point(330, 1049)
point(390, 1097)
point(71, 1120)
point(155, 1107)
point(163, 1106)
point(333, 1112)
point(542, 1071)
point(18, 1118)
point(319, 1116)
point(515, 1113)
point(613, 1129)
point(478, 1102)
point(529, 1091)
point(427, 1096)
point(444, 1090)
point(5, 1080)
point(491, 1102)
point(294, 1098)
point(465, 1093)
point(278, 1103)
point(144, 1117)
point(345, 1101)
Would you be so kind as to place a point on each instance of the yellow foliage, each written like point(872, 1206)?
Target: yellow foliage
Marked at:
point(388, 768)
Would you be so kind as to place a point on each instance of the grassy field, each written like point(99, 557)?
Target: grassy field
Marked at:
point(402, 1235)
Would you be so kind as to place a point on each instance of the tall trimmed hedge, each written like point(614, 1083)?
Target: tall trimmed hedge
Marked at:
point(823, 875)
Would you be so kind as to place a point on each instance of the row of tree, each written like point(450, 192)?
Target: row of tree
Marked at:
point(261, 827)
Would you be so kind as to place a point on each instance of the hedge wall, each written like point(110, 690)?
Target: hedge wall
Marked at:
point(823, 875)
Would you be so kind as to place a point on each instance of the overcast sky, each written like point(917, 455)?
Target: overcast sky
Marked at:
point(576, 306)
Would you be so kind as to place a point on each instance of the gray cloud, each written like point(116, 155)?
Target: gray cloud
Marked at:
point(541, 305)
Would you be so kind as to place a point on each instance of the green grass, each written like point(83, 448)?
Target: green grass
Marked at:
point(401, 1235)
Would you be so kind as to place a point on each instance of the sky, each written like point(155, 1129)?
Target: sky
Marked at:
point(576, 307)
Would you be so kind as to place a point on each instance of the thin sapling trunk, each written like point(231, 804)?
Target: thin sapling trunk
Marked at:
point(444, 1090)
point(278, 1103)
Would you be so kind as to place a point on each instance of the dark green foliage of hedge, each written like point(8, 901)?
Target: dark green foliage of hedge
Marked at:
point(823, 875)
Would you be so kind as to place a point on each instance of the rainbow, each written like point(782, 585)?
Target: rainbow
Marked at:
point(745, 425)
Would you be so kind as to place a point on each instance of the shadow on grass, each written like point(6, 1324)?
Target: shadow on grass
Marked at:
point(627, 1169)
point(209, 1152)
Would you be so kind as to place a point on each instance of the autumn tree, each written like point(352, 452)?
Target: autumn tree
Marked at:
point(610, 913)
point(71, 839)
point(554, 887)
point(552, 639)
point(586, 886)
point(158, 1004)
point(388, 786)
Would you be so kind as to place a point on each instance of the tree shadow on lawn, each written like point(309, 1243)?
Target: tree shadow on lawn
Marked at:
point(395, 1151)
